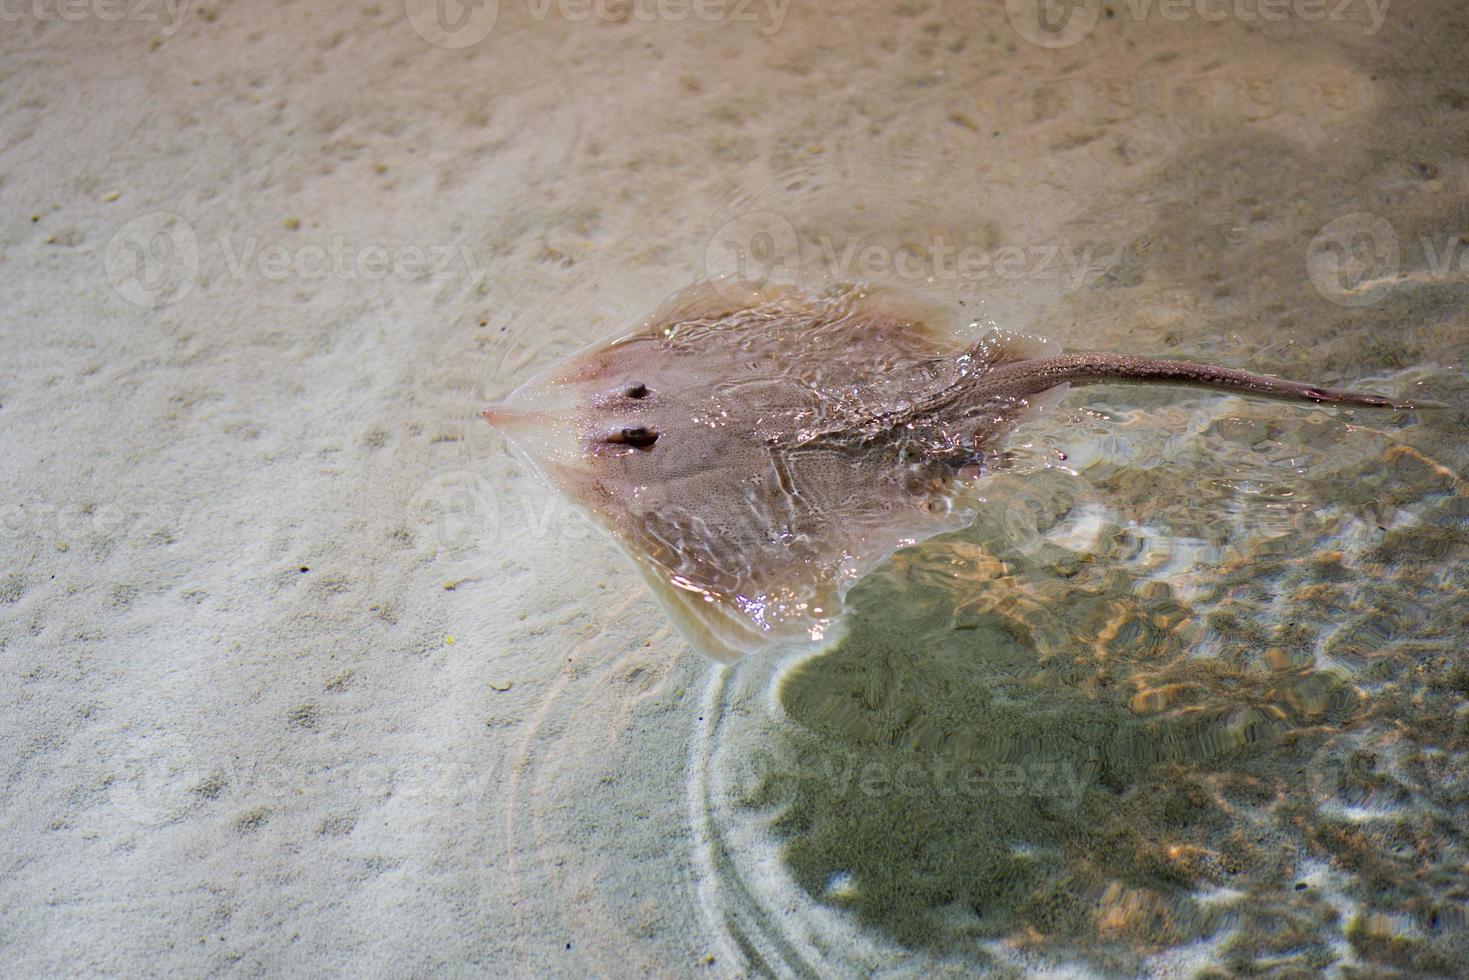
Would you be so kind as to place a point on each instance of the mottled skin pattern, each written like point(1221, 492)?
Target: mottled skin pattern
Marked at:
point(756, 451)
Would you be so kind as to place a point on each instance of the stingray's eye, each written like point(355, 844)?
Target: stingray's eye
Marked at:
point(638, 437)
point(636, 390)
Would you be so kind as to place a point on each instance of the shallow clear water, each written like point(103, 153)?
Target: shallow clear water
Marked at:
point(1188, 695)
point(305, 674)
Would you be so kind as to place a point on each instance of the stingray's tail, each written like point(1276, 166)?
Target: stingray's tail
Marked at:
point(1020, 379)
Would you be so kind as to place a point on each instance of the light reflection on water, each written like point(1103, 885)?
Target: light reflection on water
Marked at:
point(1176, 710)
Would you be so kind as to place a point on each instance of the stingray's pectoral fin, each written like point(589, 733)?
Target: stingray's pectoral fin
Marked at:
point(1040, 403)
point(710, 626)
point(998, 345)
point(716, 298)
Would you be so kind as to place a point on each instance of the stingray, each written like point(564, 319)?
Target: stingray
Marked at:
point(756, 450)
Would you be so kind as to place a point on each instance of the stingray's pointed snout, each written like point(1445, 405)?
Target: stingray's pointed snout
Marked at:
point(522, 422)
point(505, 418)
point(509, 420)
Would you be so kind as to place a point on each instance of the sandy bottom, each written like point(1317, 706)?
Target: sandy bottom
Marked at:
point(302, 672)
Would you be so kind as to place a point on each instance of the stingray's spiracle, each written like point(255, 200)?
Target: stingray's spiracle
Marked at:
point(637, 437)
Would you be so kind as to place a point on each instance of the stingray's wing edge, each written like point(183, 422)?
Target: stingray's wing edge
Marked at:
point(710, 627)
